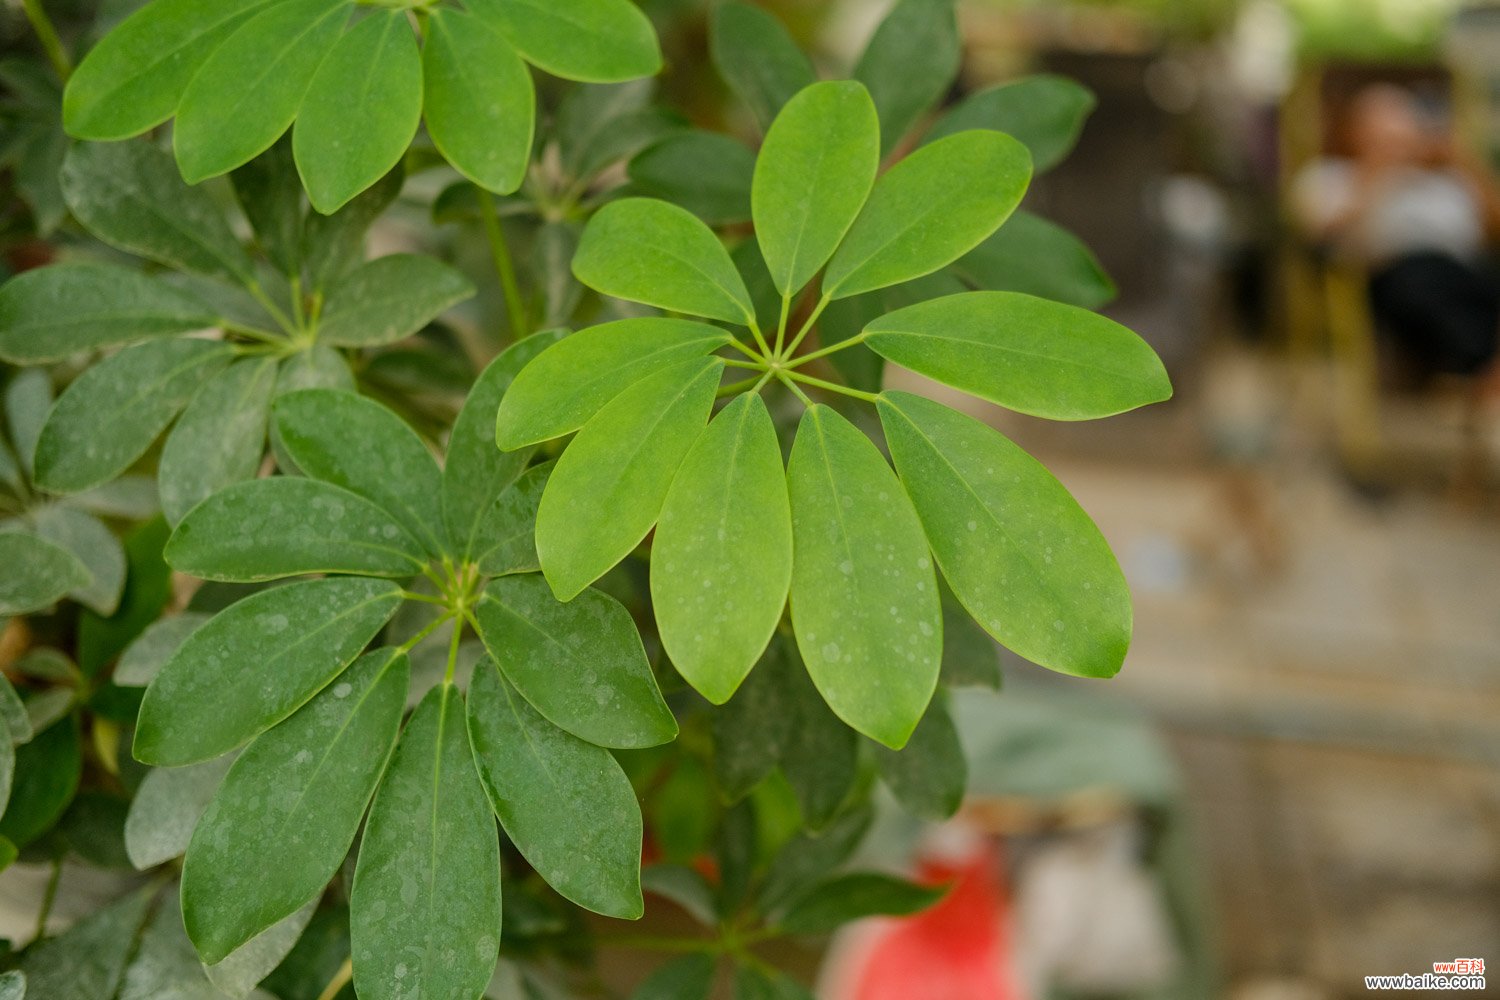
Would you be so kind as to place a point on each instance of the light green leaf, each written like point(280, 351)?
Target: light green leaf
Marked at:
point(286, 526)
point(1029, 254)
point(388, 299)
point(930, 209)
point(721, 562)
point(130, 195)
point(621, 461)
point(864, 598)
point(753, 728)
point(846, 898)
point(40, 573)
point(572, 380)
point(690, 977)
point(52, 312)
point(596, 41)
point(564, 803)
point(166, 807)
point(1045, 112)
point(707, 173)
point(650, 251)
point(87, 961)
point(360, 110)
point(909, 64)
point(165, 966)
point(477, 472)
point(256, 663)
point(248, 90)
point(134, 78)
point(144, 657)
point(244, 968)
point(757, 58)
point(480, 101)
point(929, 774)
point(28, 401)
point(580, 664)
point(220, 438)
point(46, 777)
point(269, 192)
point(813, 174)
point(1019, 552)
point(820, 755)
point(506, 540)
point(358, 444)
point(425, 911)
point(1024, 353)
point(297, 795)
point(94, 546)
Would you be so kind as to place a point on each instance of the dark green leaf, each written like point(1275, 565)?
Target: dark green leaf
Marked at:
point(144, 657)
point(87, 961)
point(820, 755)
point(39, 573)
point(685, 887)
point(46, 776)
point(929, 774)
point(389, 298)
point(269, 192)
point(909, 64)
point(846, 898)
point(751, 983)
point(690, 977)
point(599, 124)
point(808, 857)
point(704, 172)
point(333, 245)
point(970, 656)
point(220, 438)
point(506, 539)
point(757, 58)
point(166, 808)
point(93, 828)
point(13, 713)
point(1029, 254)
point(753, 728)
point(94, 546)
point(600, 41)
point(1045, 112)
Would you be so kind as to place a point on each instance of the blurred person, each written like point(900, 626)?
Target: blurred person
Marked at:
point(1422, 215)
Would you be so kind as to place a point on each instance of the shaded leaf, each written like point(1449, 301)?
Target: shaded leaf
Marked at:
point(685, 887)
point(96, 549)
point(507, 535)
point(144, 657)
point(704, 172)
point(757, 58)
point(820, 755)
point(753, 728)
point(46, 777)
point(929, 774)
point(40, 573)
point(269, 192)
point(87, 961)
point(166, 808)
point(690, 977)
point(850, 897)
point(244, 968)
point(389, 298)
point(219, 439)
point(1045, 112)
point(808, 857)
point(909, 64)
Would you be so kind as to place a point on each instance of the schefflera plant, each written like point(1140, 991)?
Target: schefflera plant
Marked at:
point(838, 536)
point(373, 521)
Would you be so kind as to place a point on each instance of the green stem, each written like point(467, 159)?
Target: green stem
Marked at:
point(807, 326)
point(760, 338)
point(48, 897)
point(823, 352)
point(736, 343)
point(411, 595)
point(47, 35)
point(786, 309)
point(758, 366)
point(253, 332)
point(433, 626)
point(275, 311)
point(515, 309)
point(740, 386)
point(458, 630)
point(785, 379)
point(868, 397)
point(339, 981)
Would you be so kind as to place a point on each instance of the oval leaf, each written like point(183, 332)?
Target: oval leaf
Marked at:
point(581, 664)
point(1019, 552)
point(255, 663)
point(757, 58)
point(39, 573)
point(929, 774)
point(721, 561)
point(389, 298)
point(565, 803)
point(930, 209)
point(846, 898)
point(166, 807)
point(506, 540)
point(1024, 353)
point(864, 599)
point(220, 438)
point(910, 63)
point(1029, 254)
point(94, 546)
point(1045, 112)
point(706, 173)
point(596, 41)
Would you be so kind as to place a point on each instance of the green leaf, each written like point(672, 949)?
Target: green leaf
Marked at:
point(1024, 353)
point(248, 91)
point(685, 887)
point(753, 728)
point(690, 977)
point(425, 918)
point(807, 857)
point(707, 173)
point(1045, 112)
point(360, 110)
point(480, 102)
point(256, 663)
point(134, 78)
point(28, 401)
point(565, 803)
point(600, 124)
point(757, 58)
point(970, 657)
point(930, 209)
point(243, 969)
point(1029, 254)
point(580, 664)
point(144, 657)
point(286, 526)
point(109, 415)
point(46, 776)
point(864, 598)
point(1019, 552)
point(52, 312)
point(13, 713)
point(40, 573)
point(751, 983)
point(506, 539)
point(650, 251)
point(909, 64)
point(389, 298)
point(567, 384)
point(846, 898)
point(814, 172)
point(358, 444)
point(130, 195)
point(622, 461)
point(166, 807)
point(820, 755)
point(94, 546)
point(148, 589)
point(13, 984)
point(319, 367)
point(477, 472)
point(165, 965)
point(220, 438)
point(333, 245)
point(928, 776)
point(297, 794)
point(269, 192)
point(87, 961)
point(596, 41)
point(8, 764)
point(721, 562)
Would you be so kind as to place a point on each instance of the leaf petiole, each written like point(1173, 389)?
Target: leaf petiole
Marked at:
point(433, 626)
point(515, 309)
point(740, 386)
point(868, 397)
point(458, 630)
point(807, 326)
point(823, 352)
point(785, 378)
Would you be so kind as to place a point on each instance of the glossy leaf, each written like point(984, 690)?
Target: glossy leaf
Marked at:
point(721, 562)
point(1027, 354)
point(580, 664)
point(482, 121)
point(249, 89)
point(909, 64)
point(850, 897)
point(1045, 112)
point(94, 546)
point(929, 774)
point(40, 573)
point(757, 58)
point(506, 540)
point(1019, 552)
point(1029, 254)
point(564, 803)
point(650, 251)
point(166, 807)
point(425, 917)
point(813, 174)
point(599, 41)
point(219, 439)
point(286, 526)
point(46, 777)
point(256, 663)
point(623, 461)
point(297, 794)
point(360, 111)
point(567, 384)
point(52, 312)
point(144, 658)
point(704, 172)
point(930, 209)
point(388, 299)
